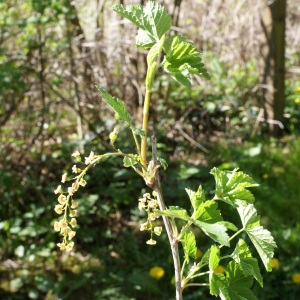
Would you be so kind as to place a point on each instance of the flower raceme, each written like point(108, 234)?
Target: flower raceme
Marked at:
point(67, 206)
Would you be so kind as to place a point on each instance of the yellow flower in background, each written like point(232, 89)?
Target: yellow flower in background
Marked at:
point(297, 90)
point(219, 269)
point(297, 100)
point(157, 272)
point(199, 254)
point(274, 263)
point(296, 278)
point(265, 176)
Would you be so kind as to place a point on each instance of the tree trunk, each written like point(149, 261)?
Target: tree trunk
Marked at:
point(272, 69)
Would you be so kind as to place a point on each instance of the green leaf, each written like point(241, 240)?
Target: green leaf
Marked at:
point(218, 285)
point(116, 104)
point(214, 257)
point(162, 162)
point(207, 212)
point(231, 186)
point(152, 21)
point(215, 231)
point(137, 131)
point(183, 59)
point(173, 212)
point(130, 160)
point(261, 238)
point(229, 225)
point(238, 284)
point(196, 198)
point(189, 245)
point(248, 264)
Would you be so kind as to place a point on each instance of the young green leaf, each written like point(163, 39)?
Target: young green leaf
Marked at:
point(189, 245)
point(218, 286)
point(130, 160)
point(152, 21)
point(116, 104)
point(231, 186)
point(261, 238)
point(216, 231)
point(214, 257)
point(207, 212)
point(248, 264)
point(196, 198)
point(173, 212)
point(238, 284)
point(183, 59)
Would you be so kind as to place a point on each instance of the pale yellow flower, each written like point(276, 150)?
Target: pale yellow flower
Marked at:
point(76, 154)
point(151, 242)
point(58, 190)
point(297, 100)
point(297, 90)
point(157, 230)
point(64, 178)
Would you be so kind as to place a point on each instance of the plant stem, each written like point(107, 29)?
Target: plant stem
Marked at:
point(169, 227)
point(145, 128)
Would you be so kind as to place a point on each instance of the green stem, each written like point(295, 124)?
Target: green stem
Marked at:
point(145, 127)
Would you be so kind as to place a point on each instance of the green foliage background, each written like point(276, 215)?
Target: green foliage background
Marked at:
point(49, 107)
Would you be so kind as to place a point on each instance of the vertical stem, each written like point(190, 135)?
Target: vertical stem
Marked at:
point(170, 227)
point(145, 127)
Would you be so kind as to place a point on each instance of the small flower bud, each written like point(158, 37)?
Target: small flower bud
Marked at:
point(76, 154)
point(58, 208)
point(71, 191)
point(71, 234)
point(73, 222)
point(58, 190)
point(151, 242)
point(65, 231)
point(144, 226)
point(157, 230)
point(63, 223)
point(62, 246)
point(82, 182)
point(64, 178)
point(73, 213)
point(74, 204)
point(74, 169)
point(57, 226)
point(69, 247)
point(62, 199)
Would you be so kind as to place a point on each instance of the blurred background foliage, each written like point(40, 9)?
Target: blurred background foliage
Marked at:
point(52, 53)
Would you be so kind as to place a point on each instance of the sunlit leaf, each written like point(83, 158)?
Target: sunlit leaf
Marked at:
point(152, 21)
point(116, 104)
point(261, 238)
point(189, 245)
point(248, 264)
point(231, 186)
point(196, 198)
point(183, 59)
point(174, 212)
point(214, 257)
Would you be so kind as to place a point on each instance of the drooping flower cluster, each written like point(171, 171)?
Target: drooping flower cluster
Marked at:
point(149, 204)
point(67, 206)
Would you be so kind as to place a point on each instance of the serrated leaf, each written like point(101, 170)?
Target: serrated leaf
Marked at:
point(229, 225)
point(196, 198)
point(207, 212)
point(214, 257)
point(173, 212)
point(231, 186)
point(215, 231)
point(153, 22)
point(238, 284)
point(218, 285)
point(261, 238)
point(189, 245)
point(137, 131)
point(248, 264)
point(162, 162)
point(130, 160)
point(116, 104)
point(183, 59)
